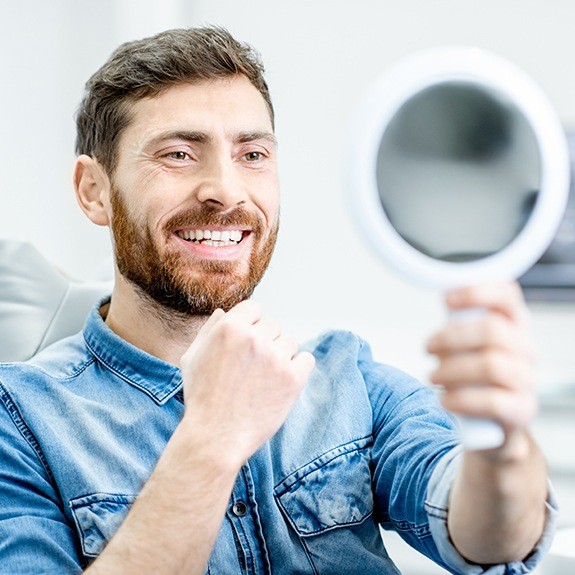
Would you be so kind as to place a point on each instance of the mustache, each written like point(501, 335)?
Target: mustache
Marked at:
point(199, 218)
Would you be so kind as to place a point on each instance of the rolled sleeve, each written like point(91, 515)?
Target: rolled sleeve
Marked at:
point(436, 506)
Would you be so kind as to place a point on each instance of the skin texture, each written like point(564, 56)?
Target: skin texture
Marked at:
point(192, 156)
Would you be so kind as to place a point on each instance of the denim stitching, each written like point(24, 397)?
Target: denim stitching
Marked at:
point(84, 501)
point(24, 430)
point(313, 465)
point(308, 555)
point(315, 468)
point(418, 530)
point(125, 378)
point(72, 375)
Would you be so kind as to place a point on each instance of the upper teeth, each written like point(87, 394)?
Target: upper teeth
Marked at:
point(226, 236)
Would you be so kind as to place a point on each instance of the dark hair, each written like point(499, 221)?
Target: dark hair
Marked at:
point(145, 68)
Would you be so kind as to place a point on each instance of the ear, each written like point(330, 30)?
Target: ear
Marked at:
point(92, 187)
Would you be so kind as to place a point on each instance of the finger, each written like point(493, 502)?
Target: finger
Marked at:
point(287, 346)
point(504, 298)
point(268, 328)
point(497, 404)
point(489, 368)
point(493, 331)
point(212, 320)
point(303, 364)
point(208, 325)
point(247, 312)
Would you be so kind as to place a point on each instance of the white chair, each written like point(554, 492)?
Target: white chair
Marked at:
point(38, 303)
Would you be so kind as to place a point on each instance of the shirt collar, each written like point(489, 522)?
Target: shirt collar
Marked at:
point(157, 378)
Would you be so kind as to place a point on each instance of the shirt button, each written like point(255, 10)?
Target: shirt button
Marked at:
point(239, 508)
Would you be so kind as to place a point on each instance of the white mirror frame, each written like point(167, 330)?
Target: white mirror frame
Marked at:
point(404, 80)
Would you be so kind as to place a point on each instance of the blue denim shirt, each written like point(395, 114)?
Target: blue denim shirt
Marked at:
point(83, 423)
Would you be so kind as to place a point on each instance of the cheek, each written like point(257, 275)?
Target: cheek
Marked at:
point(143, 213)
point(269, 203)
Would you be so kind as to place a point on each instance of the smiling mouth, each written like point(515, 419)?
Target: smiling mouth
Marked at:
point(214, 238)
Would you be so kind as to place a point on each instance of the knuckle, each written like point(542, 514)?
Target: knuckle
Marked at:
point(237, 337)
point(524, 413)
point(275, 326)
point(474, 291)
point(494, 367)
point(225, 324)
point(291, 343)
point(495, 406)
point(226, 331)
point(255, 344)
point(492, 328)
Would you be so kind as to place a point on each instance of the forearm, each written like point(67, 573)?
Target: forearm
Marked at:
point(173, 525)
point(497, 505)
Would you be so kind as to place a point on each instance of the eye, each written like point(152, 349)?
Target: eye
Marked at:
point(178, 155)
point(253, 156)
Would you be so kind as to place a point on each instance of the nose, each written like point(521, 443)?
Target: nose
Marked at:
point(221, 185)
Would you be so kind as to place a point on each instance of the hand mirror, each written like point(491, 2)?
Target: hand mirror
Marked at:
point(459, 175)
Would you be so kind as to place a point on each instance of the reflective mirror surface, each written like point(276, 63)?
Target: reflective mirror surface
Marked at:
point(459, 168)
point(458, 171)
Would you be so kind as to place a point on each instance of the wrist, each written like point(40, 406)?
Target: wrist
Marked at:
point(200, 445)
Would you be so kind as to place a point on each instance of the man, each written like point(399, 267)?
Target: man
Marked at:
point(183, 432)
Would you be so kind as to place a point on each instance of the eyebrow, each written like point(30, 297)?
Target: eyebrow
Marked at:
point(204, 138)
point(253, 136)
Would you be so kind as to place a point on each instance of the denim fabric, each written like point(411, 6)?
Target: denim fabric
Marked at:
point(83, 423)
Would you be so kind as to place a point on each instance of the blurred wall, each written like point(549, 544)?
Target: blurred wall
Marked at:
point(321, 55)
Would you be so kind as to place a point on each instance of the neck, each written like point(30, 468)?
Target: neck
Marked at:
point(148, 326)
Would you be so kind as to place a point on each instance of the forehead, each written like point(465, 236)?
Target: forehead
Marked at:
point(230, 103)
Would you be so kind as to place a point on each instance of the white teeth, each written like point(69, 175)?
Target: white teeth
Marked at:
point(217, 243)
point(213, 237)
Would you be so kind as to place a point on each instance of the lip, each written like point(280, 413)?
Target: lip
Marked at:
point(220, 253)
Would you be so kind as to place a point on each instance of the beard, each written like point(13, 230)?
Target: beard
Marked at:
point(175, 280)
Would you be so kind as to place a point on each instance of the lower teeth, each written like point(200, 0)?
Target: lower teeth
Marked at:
point(216, 243)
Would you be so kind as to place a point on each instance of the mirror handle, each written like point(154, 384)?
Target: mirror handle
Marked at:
point(477, 433)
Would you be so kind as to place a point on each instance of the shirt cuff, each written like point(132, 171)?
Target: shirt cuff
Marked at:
point(436, 506)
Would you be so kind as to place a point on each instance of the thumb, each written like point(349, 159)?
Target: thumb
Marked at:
point(303, 364)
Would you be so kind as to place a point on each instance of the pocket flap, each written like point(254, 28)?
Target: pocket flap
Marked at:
point(332, 491)
point(98, 516)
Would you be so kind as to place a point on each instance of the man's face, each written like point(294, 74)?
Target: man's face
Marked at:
point(195, 195)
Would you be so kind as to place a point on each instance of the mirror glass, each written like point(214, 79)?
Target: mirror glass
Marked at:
point(459, 168)
point(458, 171)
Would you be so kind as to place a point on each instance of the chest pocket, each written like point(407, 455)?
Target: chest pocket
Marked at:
point(98, 517)
point(332, 491)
